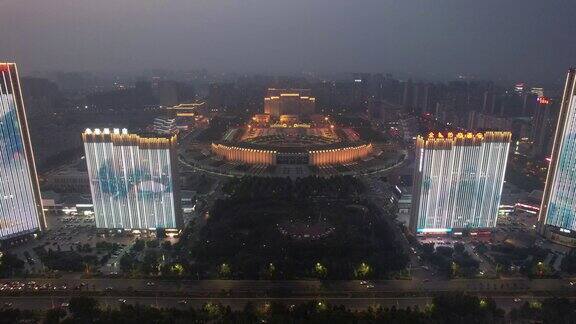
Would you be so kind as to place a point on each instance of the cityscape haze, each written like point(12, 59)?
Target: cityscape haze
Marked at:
point(287, 162)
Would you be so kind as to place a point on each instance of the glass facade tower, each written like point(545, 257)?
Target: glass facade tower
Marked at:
point(20, 202)
point(458, 181)
point(558, 208)
point(133, 180)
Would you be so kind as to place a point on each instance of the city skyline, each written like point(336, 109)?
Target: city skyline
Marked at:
point(439, 40)
point(296, 161)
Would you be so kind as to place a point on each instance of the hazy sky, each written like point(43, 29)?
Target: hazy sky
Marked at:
point(511, 39)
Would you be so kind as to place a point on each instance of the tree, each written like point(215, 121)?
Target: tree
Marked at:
point(166, 245)
point(54, 315)
point(150, 263)
point(177, 269)
point(83, 308)
point(10, 264)
point(569, 263)
point(320, 270)
point(540, 269)
point(11, 315)
point(85, 248)
point(127, 262)
point(263, 216)
point(152, 244)
point(481, 248)
point(106, 246)
point(224, 271)
point(459, 248)
point(462, 308)
point(445, 251)
point(138, 245)
point(160, 233)
point(427, 249)
point(552, 310)
point(448, 308)
point(270, 271)
point(363, 271)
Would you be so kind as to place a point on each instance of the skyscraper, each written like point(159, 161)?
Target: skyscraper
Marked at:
point(543, 124)
point(133, 180)
point(558, 209)
point(458, 181)
point(20, 202)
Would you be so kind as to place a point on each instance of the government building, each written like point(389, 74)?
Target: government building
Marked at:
point(289, 102)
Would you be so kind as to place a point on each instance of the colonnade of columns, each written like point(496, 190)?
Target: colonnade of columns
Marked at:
point(245, 155)
point(340, 155)
point(319, 157)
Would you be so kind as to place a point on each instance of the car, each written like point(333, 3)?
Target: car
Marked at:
point(363, 282)
point(516, 300)
point(183, 302)
point(369, 286)
point(150, 284)
point(109, 288)
point(121, 300)
point(65, 304)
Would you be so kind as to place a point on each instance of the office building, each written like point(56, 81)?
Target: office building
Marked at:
point(20, 203)
point(489, 103)
point(133, 180)
point(407, 94)
point(458, 181)
point(557, 218)
point(543, 124)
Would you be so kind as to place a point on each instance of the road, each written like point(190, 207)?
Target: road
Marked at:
point(314, 287)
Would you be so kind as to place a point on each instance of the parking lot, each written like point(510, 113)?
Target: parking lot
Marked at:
point(65, 233)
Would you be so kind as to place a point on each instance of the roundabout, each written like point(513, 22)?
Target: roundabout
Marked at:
point(289, 152)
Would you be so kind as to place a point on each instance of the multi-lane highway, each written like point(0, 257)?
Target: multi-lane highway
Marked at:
point(299, 288)
point(235, 293)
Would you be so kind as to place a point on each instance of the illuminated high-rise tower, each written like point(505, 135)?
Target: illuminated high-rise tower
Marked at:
point(458, 181)
point(20, 202)
point(543, 124)
point(558, 209)
point(133, 180)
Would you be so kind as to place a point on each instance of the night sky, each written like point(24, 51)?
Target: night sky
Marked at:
point(532, 40)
